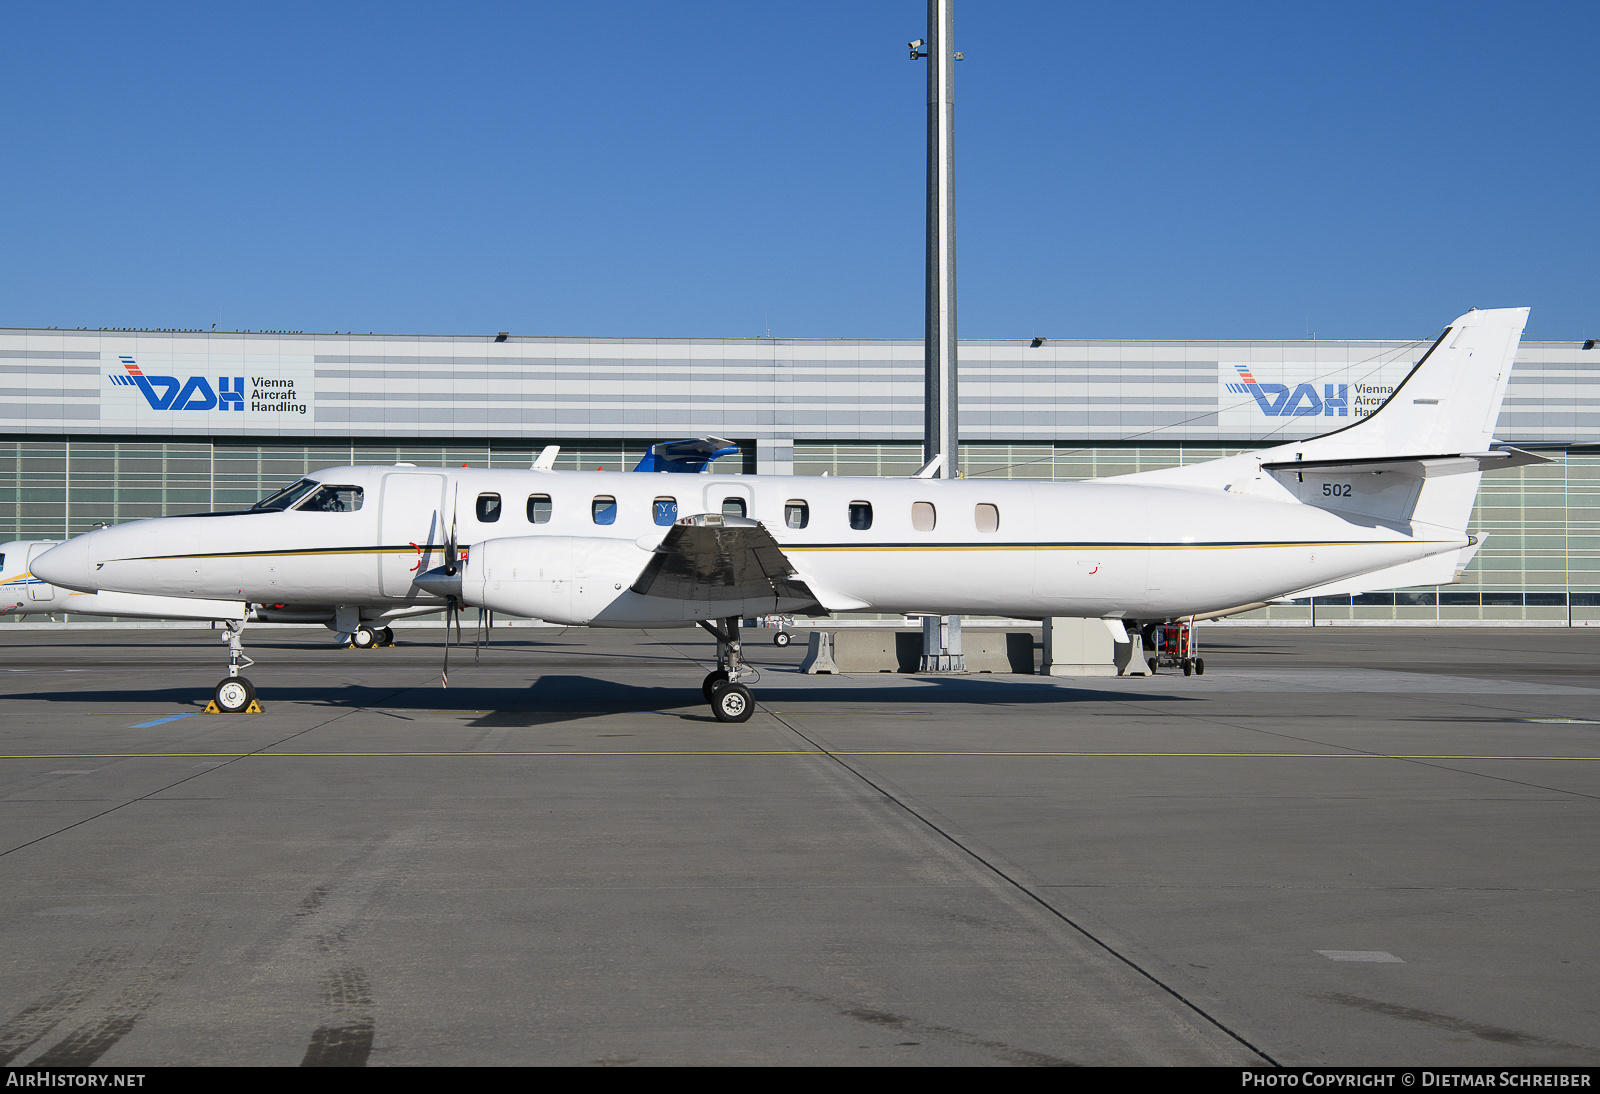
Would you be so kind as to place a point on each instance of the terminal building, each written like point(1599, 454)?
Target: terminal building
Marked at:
point(110, 426)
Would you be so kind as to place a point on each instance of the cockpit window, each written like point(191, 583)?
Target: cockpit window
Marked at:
point(287, 496)
point(333, 499)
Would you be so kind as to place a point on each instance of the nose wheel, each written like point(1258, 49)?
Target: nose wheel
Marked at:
point(235, 694)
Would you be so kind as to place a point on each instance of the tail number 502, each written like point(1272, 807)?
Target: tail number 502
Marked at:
point(1336, 490)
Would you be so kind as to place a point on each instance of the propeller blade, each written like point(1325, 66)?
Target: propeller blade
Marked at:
point(450, 539)
point(452, 609)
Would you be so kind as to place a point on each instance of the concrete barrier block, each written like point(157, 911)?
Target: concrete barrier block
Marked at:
point(819, 655)
point(998, 651)
point(1078, 647)
point(866, 650)
point(880, 650)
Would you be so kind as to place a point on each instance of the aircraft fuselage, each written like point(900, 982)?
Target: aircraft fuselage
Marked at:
point(970, 546)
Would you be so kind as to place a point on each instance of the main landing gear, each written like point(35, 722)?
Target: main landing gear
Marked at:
point(235, 694)
point(366, 638)
point(724, 689)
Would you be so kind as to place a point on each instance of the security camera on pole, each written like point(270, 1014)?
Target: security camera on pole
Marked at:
point(941, 452)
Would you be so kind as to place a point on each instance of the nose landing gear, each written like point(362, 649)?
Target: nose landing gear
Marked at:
point(235, 694)
point(724, 689)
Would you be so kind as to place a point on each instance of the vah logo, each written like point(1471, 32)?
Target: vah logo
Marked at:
point(1278, 401)
point(195, 393)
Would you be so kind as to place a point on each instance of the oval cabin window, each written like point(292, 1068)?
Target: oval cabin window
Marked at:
point(604, 509)
point(664, 510)
point(733, 507)
point(796, 513)
point(488, 508)
point(861, 515)
point(538, 508)
point(988, 517)
point(923, 516)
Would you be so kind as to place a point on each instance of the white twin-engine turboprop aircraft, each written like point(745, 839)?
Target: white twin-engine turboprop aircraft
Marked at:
point(1382, 503)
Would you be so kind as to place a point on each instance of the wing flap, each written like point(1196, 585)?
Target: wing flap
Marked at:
point(714, 558)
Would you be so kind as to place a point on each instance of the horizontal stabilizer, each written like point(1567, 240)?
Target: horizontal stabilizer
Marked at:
point(1422, 467)
point(710, 557)
point(688, 457)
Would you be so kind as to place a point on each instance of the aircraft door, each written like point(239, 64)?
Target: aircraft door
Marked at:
point(412, 526)
point(39, 590)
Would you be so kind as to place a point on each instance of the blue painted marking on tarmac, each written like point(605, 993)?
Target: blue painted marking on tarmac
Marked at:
point(163, 721)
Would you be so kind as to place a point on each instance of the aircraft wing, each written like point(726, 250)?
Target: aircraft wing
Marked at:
point(710, 557)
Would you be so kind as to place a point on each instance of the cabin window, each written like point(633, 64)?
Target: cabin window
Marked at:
point(796, 513)
point(733, 507)
point(987, 517)
point(604, 509)
point(664, 510)
point(923, 516)
point(538, 508)
point(488, 508)
point(861, 515)
point(333, 499)
point(282, 499)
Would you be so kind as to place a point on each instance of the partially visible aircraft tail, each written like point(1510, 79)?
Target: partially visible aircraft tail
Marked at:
point(1416, 459)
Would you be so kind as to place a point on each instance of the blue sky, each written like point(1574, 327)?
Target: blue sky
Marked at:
point(1138, 170)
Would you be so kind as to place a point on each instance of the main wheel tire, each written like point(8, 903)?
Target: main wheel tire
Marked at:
point(1188, 666)
point(732, 702)
point(1199, 666)
point(364, 639)
point(234, 694)
point(386, 637)
point(781, 639)
point(720, 676)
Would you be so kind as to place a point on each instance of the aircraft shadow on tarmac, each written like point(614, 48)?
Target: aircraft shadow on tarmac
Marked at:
point(557, 698)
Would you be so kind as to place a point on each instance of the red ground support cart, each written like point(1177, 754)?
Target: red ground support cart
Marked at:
point(1177, 648)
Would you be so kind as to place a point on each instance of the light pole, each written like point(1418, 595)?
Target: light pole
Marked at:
point(941, 439)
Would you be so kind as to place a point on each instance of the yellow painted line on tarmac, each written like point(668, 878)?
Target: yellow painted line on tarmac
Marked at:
point(557, 752)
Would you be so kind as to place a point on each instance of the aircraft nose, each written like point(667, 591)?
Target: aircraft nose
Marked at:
point(67, 565)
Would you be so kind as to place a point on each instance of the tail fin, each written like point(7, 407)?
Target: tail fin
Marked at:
point(1447, 405)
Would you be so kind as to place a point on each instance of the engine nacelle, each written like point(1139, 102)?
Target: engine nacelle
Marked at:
point(560, 579)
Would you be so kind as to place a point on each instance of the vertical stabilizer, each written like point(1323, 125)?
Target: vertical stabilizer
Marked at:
point(1449, 402)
